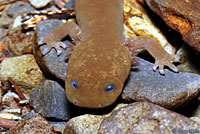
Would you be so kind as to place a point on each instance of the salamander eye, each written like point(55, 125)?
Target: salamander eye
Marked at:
point(110, 88)
point(74, 84)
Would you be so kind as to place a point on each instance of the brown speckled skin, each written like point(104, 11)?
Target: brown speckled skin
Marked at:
point(99, 59)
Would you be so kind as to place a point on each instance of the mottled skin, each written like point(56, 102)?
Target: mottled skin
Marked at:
point(100, 57)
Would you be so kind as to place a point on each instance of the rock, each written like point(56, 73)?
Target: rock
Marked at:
point(59, 125)
point(145, 118)
point(182, 16)
point(20, 9)
point(188, 60)
point(9, 101)
point(39, 3)
point(9, 116)
point(2, 32)
point(197, 112)
point(69, 4)
point(1, 92)
point(21, 43)
point(23, 70)
point(87, 124)
point(49, 100)
point(197, 119)
point(4, 23)
point(4, 51)
point(170, 91)
point(51, 64)
point(138, 22)
point(34, 125)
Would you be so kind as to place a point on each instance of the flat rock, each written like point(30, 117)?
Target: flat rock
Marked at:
point(23, 70)
point(39, 3)
point(49, 100)
point(51, 64)
point(145, 118)
point(171, 90)
point(33, 125)
point(182, 16)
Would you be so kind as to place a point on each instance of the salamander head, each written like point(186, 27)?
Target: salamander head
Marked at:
point(95, 81)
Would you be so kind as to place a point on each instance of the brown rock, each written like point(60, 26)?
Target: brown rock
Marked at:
point(182, 16)
point(23, 70)
point(21, 43)
point(34, 125)
point(145, 118)
point(87, 124)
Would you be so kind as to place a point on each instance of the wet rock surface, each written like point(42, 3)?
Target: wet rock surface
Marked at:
point(49, 100)
point(182, 16)
point(51, 64)
point(143, 118)
point(23, 70)
point(170, 91)
point(34, 125)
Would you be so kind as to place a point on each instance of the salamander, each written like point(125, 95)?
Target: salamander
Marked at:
point(101, 60)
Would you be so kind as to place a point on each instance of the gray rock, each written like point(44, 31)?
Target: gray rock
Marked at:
point(170, 91)
point(51, 64)
point(23, 70)
point(20, 9)
point(49, 100)
point(146, 118)
point(69, 4)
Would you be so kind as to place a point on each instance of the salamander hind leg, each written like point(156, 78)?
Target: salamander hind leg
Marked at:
point(162, 58)
point(53, 39)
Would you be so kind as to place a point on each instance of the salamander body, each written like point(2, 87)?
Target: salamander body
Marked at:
point(101, 60)
point(99, 64)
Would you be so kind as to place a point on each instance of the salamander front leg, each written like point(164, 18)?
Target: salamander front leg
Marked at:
point(162, 58)
point(53, 38)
